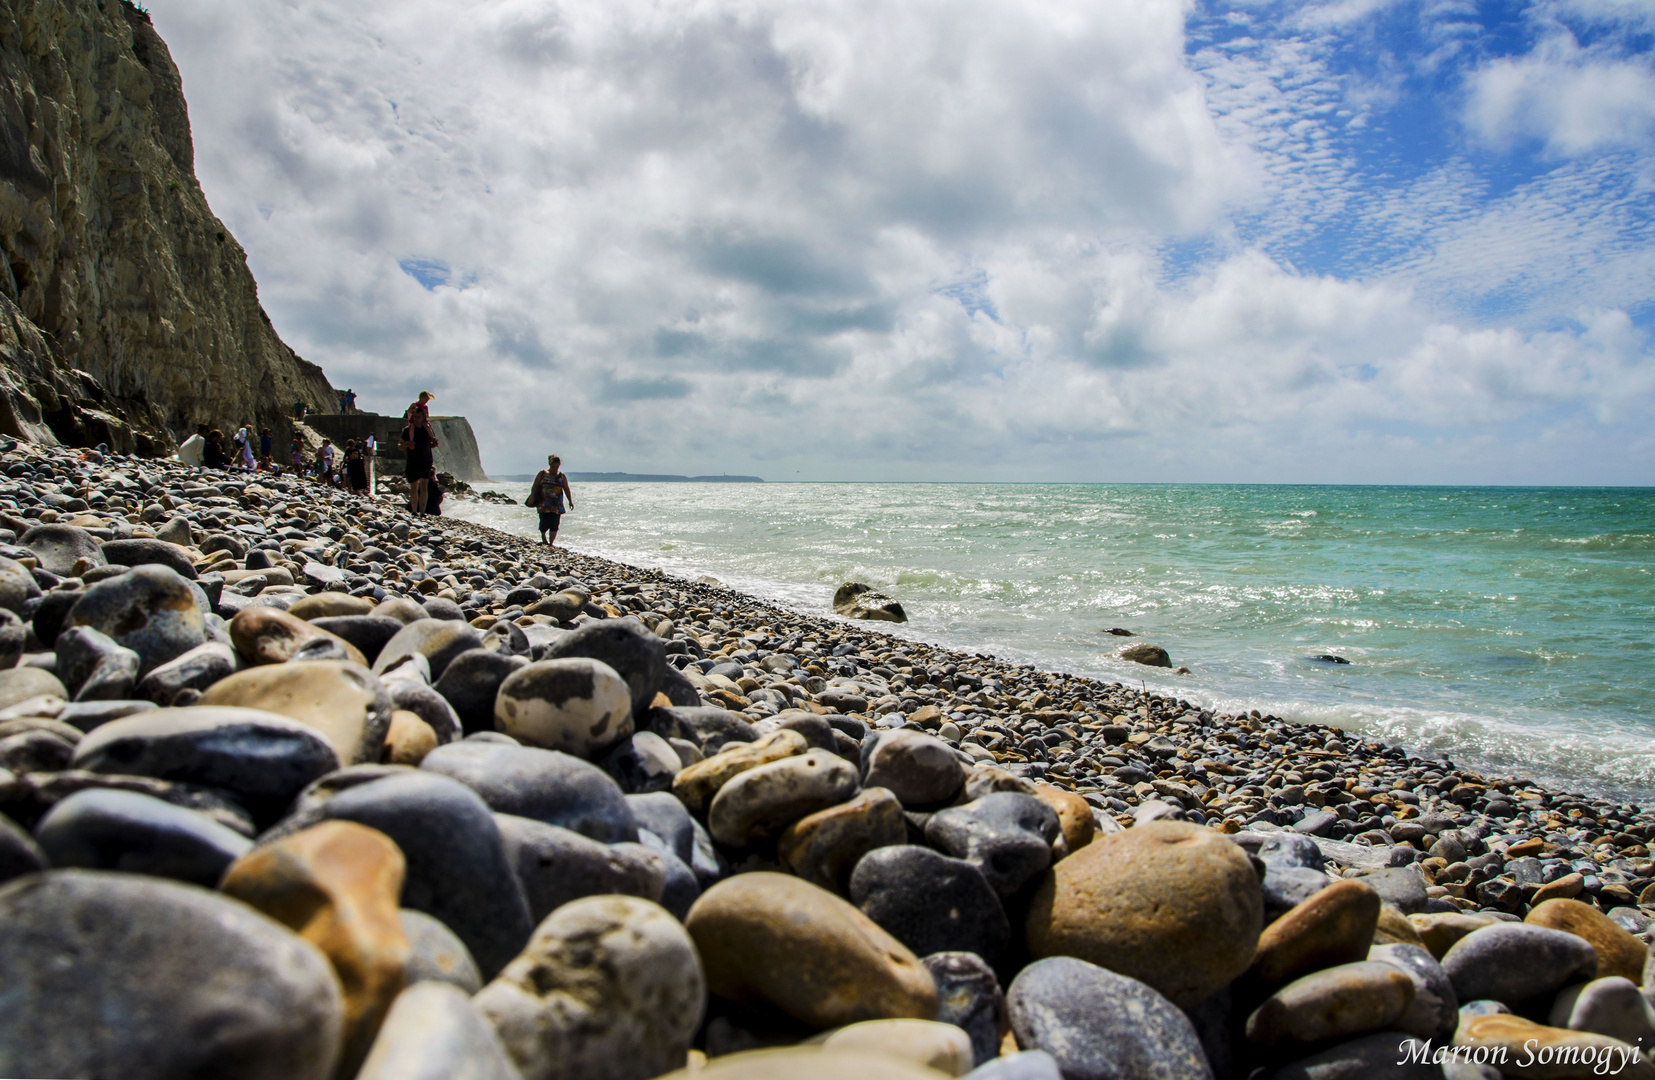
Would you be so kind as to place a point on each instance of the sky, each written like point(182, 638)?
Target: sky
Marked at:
point(1356, 241)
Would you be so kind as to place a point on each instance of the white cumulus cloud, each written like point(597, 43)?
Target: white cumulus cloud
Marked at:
point(864, 239)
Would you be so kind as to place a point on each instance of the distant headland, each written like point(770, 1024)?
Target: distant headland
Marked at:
point(639, 478)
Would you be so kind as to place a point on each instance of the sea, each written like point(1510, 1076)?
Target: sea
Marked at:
point(1510, 629)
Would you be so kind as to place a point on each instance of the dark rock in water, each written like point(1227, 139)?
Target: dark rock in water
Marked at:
point(369, 633)
point(930, 902)
point(122, 830)
point(434, 1032)
point(17, 585)
point(150, 611)
point(59, 547)
point(93, 667)
point(545, 785)
point(458, 869)
point(438, 640)
point(638, 657)
point(149, 553)
point(1023, 1065)
point(1146, 654)
point(1119, 632)
point(1385, 1055)
point(19, 854)
point(855, 600)
point(23, 683)
point(1516, 962)
point(197, 669)
point(707, 726)
point(1328, 658)
point(1100, 1025)
point(167, 981)
point(263, 758)
point(35, 751)
point(969, 997)
point(53, 611)
point(1006, 835)
point(436, 954)
point(556, 865)
point(471, 683)
point(644, 762)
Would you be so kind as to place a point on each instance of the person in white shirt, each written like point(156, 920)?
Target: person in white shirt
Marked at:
point(190, 453)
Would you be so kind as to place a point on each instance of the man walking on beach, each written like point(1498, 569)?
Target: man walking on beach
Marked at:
point(419, 441)
point(547, 494)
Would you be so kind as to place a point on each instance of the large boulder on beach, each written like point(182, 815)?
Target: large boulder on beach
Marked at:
point(336, 885)
point(1174, 905)
point(458, 869)
point(434, 1032)
point(126, 975)
point(930, 902)
point(763, 801)
point(150, 610)
point(635, 654)
point(261, 758)
point(577, 705)
point(146, 552)
point(1101, 1025)
point(60, 547)
point(340, 699)
point(1005, 834)
point(608, 988)
point(776, 940)
point(545, 785)
point(855, 600)
point(1619, 953)
point(17, 585)
point(99, 829)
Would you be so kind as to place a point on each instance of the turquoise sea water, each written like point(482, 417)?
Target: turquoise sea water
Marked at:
point(1509, 627)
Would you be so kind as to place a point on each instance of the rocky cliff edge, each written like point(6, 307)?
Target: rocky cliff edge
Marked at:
point(127, 311)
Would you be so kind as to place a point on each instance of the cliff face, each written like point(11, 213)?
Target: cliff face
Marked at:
point(127, 311)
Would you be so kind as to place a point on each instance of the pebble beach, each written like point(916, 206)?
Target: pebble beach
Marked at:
point(295, 784)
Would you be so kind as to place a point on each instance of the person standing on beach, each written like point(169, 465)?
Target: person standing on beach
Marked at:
point(266, 443)
point(370, 447)
point(355, 470)
point(547, 494)
point(419, 441)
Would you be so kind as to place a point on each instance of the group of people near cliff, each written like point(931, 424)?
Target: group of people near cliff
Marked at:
point(206, 450)
point(549, 495)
